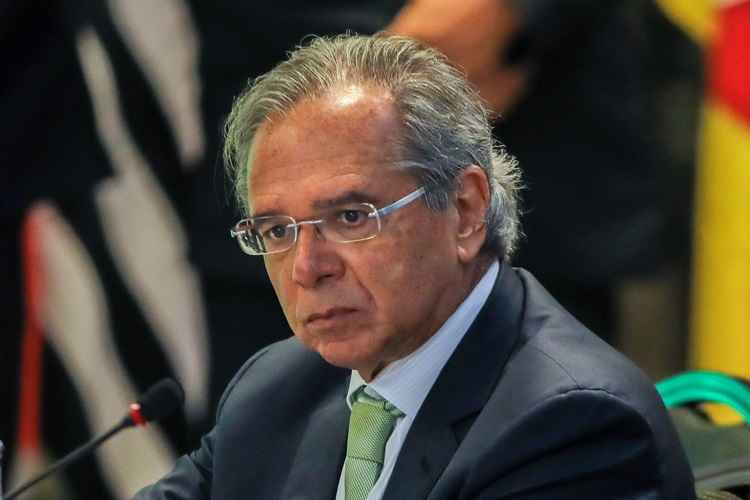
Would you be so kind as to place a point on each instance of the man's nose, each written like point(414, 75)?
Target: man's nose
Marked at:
point(315, 259)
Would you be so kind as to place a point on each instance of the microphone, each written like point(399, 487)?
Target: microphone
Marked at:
point(157, 402)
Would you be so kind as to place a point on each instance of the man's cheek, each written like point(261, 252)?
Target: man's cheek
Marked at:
point(396, 272)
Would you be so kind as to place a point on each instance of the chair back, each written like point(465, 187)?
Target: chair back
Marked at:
point(718, 454)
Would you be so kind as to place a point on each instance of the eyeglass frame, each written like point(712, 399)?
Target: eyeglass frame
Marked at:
point(378, 213)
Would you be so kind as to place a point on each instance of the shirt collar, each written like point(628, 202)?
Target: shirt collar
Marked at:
point(406, 382)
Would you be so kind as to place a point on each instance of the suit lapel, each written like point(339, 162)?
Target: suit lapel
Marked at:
point(462, 389)
point(315, 472)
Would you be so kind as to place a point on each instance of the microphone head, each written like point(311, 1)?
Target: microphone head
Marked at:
point(161, 399)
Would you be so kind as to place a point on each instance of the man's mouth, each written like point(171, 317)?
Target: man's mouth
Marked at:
point(329, 316)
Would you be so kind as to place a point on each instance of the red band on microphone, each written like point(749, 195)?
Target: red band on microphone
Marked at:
point(135, 414)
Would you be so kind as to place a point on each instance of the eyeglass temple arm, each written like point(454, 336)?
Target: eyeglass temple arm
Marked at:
point(401, 203)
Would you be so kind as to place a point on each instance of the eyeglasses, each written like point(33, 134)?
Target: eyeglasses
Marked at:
point(347, 223)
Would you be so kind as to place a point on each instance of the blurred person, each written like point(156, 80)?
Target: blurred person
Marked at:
point(385, 214)
point(574, 76)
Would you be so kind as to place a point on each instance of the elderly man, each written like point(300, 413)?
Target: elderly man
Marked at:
point(422, 364)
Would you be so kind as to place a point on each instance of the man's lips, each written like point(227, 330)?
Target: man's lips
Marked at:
point(328, 315)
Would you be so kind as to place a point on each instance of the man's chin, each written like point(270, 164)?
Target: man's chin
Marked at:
point(346, 355)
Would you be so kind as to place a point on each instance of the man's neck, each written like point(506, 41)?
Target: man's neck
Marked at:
point(471, 276)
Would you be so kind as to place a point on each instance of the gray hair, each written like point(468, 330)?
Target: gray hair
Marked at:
point(446, 127)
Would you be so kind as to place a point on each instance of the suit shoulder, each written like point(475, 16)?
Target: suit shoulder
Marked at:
point(569, 353)
point(558, 363)
point(279, 371)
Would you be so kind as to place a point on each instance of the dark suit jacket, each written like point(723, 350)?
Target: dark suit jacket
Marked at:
point(531, 405)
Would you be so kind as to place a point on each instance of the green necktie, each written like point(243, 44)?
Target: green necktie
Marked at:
point(370, 425)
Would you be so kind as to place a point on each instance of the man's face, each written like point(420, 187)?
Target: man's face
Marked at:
point(360, 305)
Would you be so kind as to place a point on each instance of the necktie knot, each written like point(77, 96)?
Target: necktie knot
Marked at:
point(374, 400)
point(370, 425)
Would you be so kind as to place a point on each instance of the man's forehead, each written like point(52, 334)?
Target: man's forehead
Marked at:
point(325, 149)
point(347, 119)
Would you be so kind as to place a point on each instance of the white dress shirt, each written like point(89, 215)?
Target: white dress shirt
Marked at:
point(406, 382)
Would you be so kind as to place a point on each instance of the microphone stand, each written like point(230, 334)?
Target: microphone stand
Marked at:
point(157, 402)
point(74, 456)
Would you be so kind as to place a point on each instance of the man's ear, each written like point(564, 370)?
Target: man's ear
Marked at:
point(472, 199)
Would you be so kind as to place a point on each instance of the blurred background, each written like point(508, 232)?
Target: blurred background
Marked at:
point(630, 119)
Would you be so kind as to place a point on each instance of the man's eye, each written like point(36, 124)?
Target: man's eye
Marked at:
point(276, 232)
point(352, 217)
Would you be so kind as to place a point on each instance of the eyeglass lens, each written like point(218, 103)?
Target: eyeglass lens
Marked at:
point(274, 234)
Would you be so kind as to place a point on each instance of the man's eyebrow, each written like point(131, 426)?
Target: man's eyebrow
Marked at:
point(327, 203)
point(348, 197)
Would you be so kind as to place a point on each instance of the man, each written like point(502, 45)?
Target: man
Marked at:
point(423, 365)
